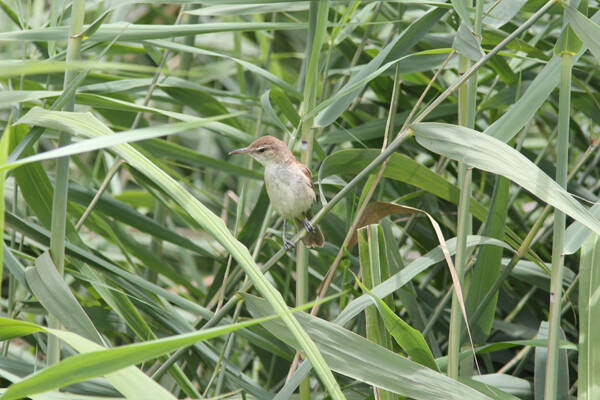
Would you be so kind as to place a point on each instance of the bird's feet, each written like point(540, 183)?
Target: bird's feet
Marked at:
point(309, 227)
point(287, 245)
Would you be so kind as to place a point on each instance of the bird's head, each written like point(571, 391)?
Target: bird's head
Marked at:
point(266, 150)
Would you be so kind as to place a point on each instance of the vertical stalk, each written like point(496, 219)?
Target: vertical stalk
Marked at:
point(558, 237)
point(59, 201)
point(373, 269)
point(463, 229)
point(4, 145)
point(317, 29)
point(467, 96)
point(302, 298)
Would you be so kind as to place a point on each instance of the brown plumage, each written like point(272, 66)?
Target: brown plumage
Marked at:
point(289, 186)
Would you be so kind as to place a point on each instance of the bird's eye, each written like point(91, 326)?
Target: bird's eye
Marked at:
point(262, 149)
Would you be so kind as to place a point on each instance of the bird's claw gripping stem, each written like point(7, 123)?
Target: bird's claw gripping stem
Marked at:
point(287, 245)
point(309, 227)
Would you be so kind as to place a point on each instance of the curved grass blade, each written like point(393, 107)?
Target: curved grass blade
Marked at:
point(131, 32)
point(410, 339)
point(588, 385)
point(489, 154)
point(100, 142)
point(363, 360)
point(245, 64)
point(130, 381)
point(585, 28)
point(56, 297)
point(10, 98)
point(98, 361)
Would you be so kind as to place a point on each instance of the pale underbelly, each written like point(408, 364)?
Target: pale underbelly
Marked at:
point(290, 196)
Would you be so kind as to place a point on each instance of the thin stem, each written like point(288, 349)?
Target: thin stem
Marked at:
point(463, 229)
point(558, 239)
point(318, 19)
point(467, 101)
point(224, 355)
point(113, 170)
point(61, 187)
point(302, 298)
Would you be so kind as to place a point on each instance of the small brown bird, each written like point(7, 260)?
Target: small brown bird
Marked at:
point(289, 186)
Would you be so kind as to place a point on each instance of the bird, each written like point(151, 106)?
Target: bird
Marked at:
point(289, 186)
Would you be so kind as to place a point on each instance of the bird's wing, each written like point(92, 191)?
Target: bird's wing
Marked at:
point(308, 174)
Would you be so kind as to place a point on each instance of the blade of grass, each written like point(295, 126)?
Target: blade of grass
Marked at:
point(410, 339)
point(318, 18)
point(368, 250)
point(61, 185)
point(97, 361)
point(467, 101)
point(558, 237)
point(135, 32)
point(50, 289)
point(489, 154)
point(385, 369)
point(4, 147)
point(588, 375)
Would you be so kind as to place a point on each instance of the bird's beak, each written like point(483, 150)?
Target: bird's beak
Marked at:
point(239, 151)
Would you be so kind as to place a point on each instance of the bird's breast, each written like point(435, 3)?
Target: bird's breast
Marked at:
point(289, 190)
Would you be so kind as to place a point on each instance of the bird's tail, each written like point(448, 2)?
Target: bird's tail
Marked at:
point(314, 237)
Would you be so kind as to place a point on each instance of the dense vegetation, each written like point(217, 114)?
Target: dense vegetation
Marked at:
point(452, 150)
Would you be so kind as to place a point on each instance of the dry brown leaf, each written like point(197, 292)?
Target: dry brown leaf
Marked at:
point(375, 212)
